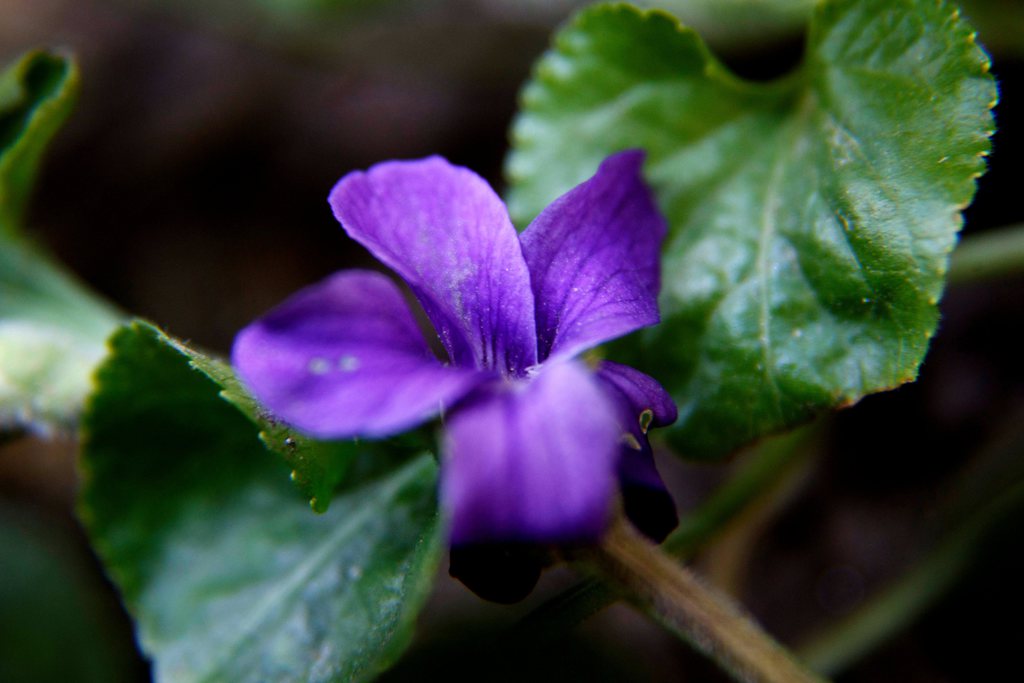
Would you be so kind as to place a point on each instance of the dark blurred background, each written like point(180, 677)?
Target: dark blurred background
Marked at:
point(190, 188)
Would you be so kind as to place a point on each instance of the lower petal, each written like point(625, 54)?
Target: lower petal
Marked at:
point(642, 403)
point(502, 573)
point(532, 461)
point(646, 501)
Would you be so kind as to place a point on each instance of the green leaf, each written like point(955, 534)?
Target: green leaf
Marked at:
point(52, 330)
point(36, 95)
point(317, 466)
point(54, 623)
point(52, 334)
point(228, 573)
point(811, 218)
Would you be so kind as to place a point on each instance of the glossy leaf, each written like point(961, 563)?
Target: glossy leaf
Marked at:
point(51, 328)
point(226, 570)
point(317, 466)
point(811, 218)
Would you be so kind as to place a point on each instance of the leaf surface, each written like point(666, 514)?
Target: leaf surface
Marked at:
point(229, 575)
point(811, 218)
point(52, 328)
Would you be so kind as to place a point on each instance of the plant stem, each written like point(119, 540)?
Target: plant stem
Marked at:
point(988, 256)
point(728, 556)
point(898, 606)
point(758, 475)
point(989, 490)
point(656, 583)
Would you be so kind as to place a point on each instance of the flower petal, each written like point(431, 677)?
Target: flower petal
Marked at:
point(531, 461)
point(345, 358)
point(502, 573)
point(446, 232)
point(594, 262)
point(645, 498)
point(641, 392)
point(642, 403)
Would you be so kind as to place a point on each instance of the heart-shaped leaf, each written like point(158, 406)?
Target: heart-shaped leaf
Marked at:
point(811, 218)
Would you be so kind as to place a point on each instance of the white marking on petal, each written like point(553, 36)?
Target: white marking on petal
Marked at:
point(348, 363)
point(319, 366)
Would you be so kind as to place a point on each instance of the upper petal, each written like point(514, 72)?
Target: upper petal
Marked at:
point(532, 460)
point(594, 256)
point(444, 230)
point(344, 358)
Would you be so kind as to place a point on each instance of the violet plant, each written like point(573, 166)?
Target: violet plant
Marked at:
point(533, 439)
point(757, 254)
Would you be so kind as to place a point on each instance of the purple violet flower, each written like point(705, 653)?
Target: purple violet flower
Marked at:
point(536, 442)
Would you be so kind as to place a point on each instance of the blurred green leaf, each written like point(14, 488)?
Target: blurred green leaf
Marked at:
point(811, 218)
point(36, 95)
point(54, 625)
point(975, 526)
point(229, 575)
point(52, 329)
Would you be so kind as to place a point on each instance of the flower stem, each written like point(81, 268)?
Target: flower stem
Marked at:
point(990, 496)
point(895, 608)
point(988, 256)
point(759, 475)
point(710, 621)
